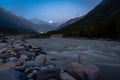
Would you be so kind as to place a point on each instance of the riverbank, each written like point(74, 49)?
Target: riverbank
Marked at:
point(42, 59)
point(104, 54)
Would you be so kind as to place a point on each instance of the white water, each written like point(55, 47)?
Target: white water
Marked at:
point(94, 51)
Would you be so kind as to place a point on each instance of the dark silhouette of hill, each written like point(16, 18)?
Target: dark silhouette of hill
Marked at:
point(10, 23)
point(102, 22)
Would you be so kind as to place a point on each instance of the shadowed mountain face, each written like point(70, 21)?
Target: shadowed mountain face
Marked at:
point(10, 23)
point(102, 22)
point(69, 22)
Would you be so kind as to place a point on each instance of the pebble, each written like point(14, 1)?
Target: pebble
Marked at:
point(11, 74)
point(12, 59)
point(66, 76)
point(23, 58)
point(7, 66)
point(41, 59)
point(29, 75)
point(19, 63)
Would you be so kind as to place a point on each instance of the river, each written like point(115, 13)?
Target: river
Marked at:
point(105, 54)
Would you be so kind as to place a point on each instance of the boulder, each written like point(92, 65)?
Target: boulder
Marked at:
point(41, 59)
point(2, 50)
point(53, 79)
point(23, 58)
point(11, 74)
point(12, 59)
point(19, 63)
point(83, 71)
point(66, 76)
point(29, 75)
point(20, 68)
point(7, 66)
point(18, 47)
point(47, 74)
point(5, 56)
point(27, 53)
point(35, 47)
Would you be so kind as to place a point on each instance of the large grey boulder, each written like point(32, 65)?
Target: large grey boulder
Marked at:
point(47, 74)
point(83, 71)
point(41, 59)
point(11, 74)
point(66, 76)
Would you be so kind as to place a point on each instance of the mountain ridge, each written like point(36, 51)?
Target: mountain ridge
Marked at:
point(101, 22)
point(9, 20)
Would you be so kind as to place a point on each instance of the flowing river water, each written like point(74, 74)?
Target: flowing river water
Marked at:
point(105, 54)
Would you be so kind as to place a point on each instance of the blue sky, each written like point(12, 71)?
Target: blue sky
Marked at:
point(55, 10)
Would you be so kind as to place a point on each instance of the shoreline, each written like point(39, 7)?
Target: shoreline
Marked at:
point(107, 66)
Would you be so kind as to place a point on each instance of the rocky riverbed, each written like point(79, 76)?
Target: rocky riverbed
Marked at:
point(47, 59)
point(104, 54)
point(20, 60)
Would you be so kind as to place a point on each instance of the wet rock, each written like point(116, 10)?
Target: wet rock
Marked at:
point(53, 79)
point(66, 76)
point(41, 59)
point(11, 74)
point(19, 63)
point(47, 74)
point(12, 59)
point(20, 68)
point(35, 71)
point(13, 53)
point(35, 47)
point(43, 68)
point(32, 70)
point(5, 56)
point(26, 45)
point(23, 58)
point(47, 66)
point(18, 47)
point(3, 45)
point(3, 50)
point(83, 71)
point(28, 54)
point(29, 75)
point(9, 50)
point(7, 66)
point(30, 79)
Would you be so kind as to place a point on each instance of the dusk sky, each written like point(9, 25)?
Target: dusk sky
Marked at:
point(49, 10)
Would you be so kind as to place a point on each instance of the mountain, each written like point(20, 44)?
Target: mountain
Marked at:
point(10, 23)
point(71, 21)
point(101, 22)
point(43, 26)
point(37, 21)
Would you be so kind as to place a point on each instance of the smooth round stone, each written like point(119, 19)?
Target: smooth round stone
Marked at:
point(12, 59)
point(7, 66)
point(23, 58)
point(41, 59)
point(29, 75)
point(31, 79)
point(35, 71)
point(66, 76)
point(19, 63)
point(11, 74)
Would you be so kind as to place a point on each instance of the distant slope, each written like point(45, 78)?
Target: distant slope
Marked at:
point(42, 26)
point(102, 22)
point(10, 21)
point(71, 21)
